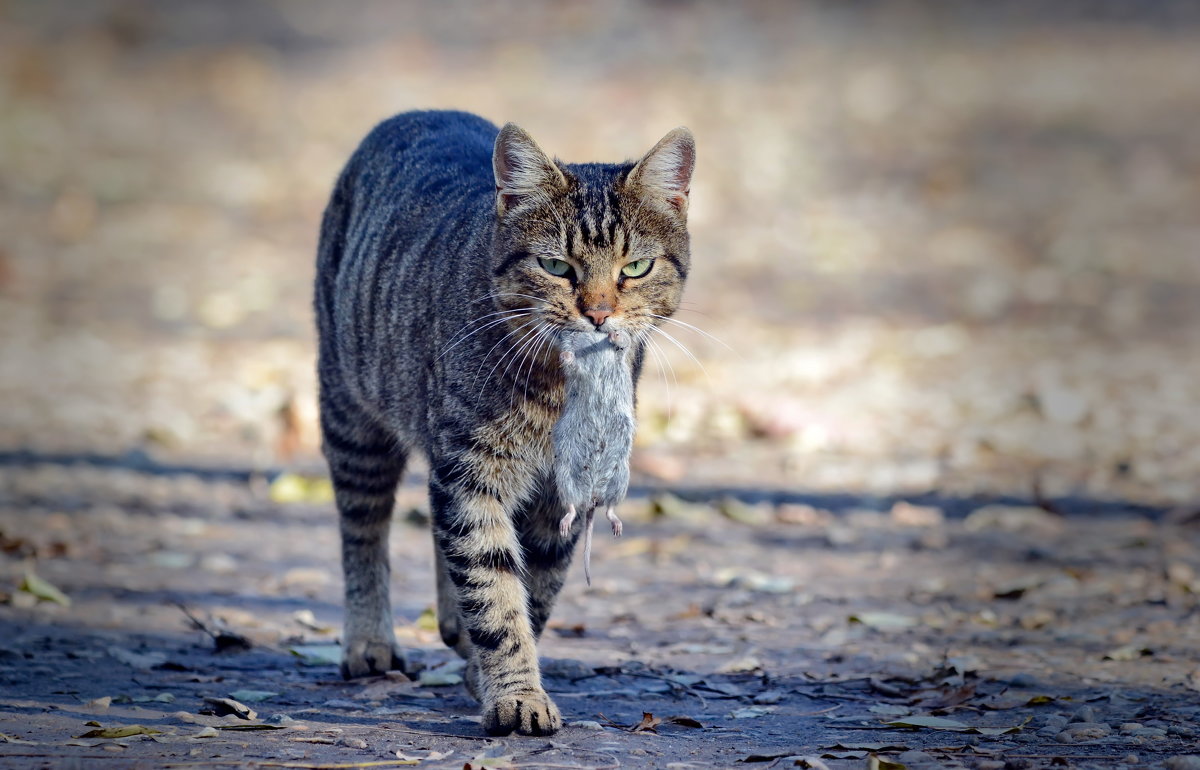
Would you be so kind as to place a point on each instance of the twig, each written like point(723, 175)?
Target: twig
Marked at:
point(295, 765)
point(436, 735)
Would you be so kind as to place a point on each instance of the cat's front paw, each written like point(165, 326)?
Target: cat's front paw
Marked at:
point(528, 713)
point(371, 657)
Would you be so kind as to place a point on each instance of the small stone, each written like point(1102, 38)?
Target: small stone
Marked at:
point(1024, 680)
point(1152, 733)
point(1084, 714)
point(1130, 759)
point(1056, 720)
point(1181, 731)
point(566, 668)
point(1183, 762)
point(769, 697)
point(586, 724)
point(1128, 727)
point(353, 743)
point(1083, 731)
point(280, 719)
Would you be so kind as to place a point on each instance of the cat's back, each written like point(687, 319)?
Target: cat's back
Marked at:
point(424, 161)
point(405, 236)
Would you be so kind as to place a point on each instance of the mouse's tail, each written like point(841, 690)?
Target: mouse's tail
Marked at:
point(587, 549)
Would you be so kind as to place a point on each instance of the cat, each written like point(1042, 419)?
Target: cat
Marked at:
point(453, 256)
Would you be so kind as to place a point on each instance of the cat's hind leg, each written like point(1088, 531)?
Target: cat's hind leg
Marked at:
point(365, 464)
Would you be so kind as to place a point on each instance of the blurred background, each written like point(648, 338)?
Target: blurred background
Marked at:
point(949, 247)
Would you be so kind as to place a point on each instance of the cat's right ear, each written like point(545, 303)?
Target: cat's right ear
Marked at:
point(522, 170)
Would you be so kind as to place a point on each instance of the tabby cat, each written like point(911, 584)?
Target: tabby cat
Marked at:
point(453, 257)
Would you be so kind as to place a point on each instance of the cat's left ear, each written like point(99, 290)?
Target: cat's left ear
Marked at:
point(522, 170)
point(664, 175)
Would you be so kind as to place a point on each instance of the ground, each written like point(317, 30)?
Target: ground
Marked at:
point(770, 630)
point(940, 460)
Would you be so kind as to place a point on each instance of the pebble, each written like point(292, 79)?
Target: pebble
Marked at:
point(1181, 731)
point(586, 724)
point(1057, 720)
point(1083, 731)
point(1183, 762)
point(1153, 733)
point(1130, 759)
point(280, 719)
point(1024, 680)
point(917, 759)
point(353, 743)
point(1084, 714)
point(1129, 727)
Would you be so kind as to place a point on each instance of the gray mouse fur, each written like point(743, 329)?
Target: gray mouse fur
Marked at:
point(594, 435)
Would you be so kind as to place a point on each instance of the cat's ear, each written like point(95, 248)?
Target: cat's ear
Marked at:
point(522, 170)
point(664, 175)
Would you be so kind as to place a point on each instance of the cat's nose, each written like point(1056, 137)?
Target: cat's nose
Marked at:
point(598, 315)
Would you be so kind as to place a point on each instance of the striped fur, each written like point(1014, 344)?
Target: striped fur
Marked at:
point(439, 333)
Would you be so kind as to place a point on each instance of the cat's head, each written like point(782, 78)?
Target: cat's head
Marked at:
point(592, 247)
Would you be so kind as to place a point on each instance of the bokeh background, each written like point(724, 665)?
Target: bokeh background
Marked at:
point(949, 247)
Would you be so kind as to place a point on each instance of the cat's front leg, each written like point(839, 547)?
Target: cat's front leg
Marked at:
point(484, 560)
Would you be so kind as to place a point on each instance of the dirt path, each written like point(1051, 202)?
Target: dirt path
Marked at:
point(768, 632)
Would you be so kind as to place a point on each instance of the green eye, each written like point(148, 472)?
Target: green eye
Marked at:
point(637, 269)
point(555, 266)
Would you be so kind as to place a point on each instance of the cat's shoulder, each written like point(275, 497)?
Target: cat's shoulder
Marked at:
point(432, 129)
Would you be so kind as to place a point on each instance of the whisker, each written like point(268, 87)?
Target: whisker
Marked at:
point(484, 361)
point(652, 346)
point(524, 347)
point(696, 329)
point(511, 294)
point(684, 348)
point(463, 336)
point(538, 349)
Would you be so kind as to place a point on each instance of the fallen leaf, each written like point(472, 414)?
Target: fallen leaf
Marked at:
point(741, 665)
point(120, 732)
point(427, 620)
point(292, 488)
point(931, 723)
point(878, 763)
point(99, 704)
point(207, 732)
point(812, 762)
point(750, 712)
point(1128, 652)
point(139, 660)
point(890, 709)
point(648, 724)
point(940, 723)
point(445, 675)
point(44, 590)
point(306, 619)
point(317, 654)
point(222, 706)
point(948, 698)
point(884, 747)
point(684, 722)
point(252, 696)
point(5, 738)
point(883, 621)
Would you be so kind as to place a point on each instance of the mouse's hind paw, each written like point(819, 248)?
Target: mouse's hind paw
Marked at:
point(617, 526)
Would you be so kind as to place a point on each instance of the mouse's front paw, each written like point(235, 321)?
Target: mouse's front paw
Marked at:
point(528, 713)
point(564, 524)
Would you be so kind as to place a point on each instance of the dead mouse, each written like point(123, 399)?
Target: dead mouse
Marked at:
point(594, 435)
